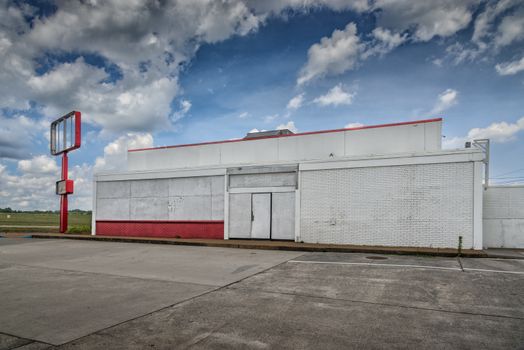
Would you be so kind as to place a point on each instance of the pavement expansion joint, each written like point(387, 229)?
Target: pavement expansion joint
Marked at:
point(381, 304)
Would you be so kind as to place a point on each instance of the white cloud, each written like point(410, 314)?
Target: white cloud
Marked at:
point(511, 29)
point(159, 36)
point(499, 132)
point(270, 118)
point(384, 41)
point(39, 165)
point(290, 125)
point(445, 100)
point(510, 68)
point(185, 106)
point(353, 125)
point(115, 152)
point(296, 102)
point(243, 115)
point(335, 97)
point(17, 134)
point(34, 186)
point(333, 55)
point(426, 18)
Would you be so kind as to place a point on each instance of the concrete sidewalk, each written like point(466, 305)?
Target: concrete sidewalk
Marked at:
point(273, 245)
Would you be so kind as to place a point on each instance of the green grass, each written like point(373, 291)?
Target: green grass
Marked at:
point(22, 222)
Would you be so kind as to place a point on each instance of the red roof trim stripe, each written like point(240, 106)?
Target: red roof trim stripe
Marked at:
point(290, 135)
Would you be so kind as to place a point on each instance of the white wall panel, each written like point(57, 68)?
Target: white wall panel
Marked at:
point(240, 215)
point(283, 215)
point(196, 198)
point(190, 186)
point(112, 209)
point(248, 152)
point(190, 207)
point(308, 147)
point(428, 205)
point(148, 208)
point(504, 217)
point(263, 180)
point(113, 189)
point(398, 139)
point(408, 138)
point(149, 188)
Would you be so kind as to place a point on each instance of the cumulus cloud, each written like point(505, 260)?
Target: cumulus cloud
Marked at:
point(115, 152)
point(185, 106)
point(498, 24)
point(499, 132)
point(41, 164)
point(290, 125)
point(426, 18)
point(332, 55)
point(146, 41)
point(511, 29)
point(353, 125)
point(296, 102)
point(18, 133)
point(510, 68)
point(384, 41)
point(445, 100)
point(335, 96)
point(33, 187)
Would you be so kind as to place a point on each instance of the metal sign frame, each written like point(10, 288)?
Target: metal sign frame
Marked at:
point(65, 133)
point(60, 143)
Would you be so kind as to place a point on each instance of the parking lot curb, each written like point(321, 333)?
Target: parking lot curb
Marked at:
point(273, 245)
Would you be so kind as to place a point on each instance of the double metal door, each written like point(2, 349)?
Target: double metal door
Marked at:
point(262, 215)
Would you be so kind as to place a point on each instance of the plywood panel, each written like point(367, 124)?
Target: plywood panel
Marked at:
point(261, 208)
point(240, 215)
point(283, 216)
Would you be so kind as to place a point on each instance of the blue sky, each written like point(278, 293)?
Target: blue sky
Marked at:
point(144, 74)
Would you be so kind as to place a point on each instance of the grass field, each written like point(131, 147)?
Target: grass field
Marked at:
point(43, 222)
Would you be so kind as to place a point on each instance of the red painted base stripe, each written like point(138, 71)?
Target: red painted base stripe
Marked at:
point(171, 229)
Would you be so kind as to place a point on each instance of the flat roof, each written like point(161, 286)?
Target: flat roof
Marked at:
point(290, 135)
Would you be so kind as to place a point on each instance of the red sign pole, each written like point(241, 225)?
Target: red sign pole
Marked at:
point(63, 197)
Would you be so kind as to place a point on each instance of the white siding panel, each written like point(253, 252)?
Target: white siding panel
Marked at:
point(283, 216)
point(248, 152)
point(190, 186)
point(411, 138)
point(263, 180)
point(112, 209)
point(504, 217)
point(196, 198)
point(308, 147)
point(190, 207)
point(149, 208)
point(400, 139)
point(413, 205)
point(149, 188)
point(113, 189)
point(240, 215)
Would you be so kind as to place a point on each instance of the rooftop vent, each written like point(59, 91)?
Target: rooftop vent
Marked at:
point(256, 135)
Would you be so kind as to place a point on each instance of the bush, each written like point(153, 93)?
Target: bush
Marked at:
point(79, 229)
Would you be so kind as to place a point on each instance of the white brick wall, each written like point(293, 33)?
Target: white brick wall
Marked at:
point(504, 217)
point(426, 205)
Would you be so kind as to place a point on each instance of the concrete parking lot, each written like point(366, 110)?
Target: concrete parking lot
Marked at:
point(104, 295)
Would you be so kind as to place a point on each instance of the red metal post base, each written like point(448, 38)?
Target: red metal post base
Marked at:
point(63, 197)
